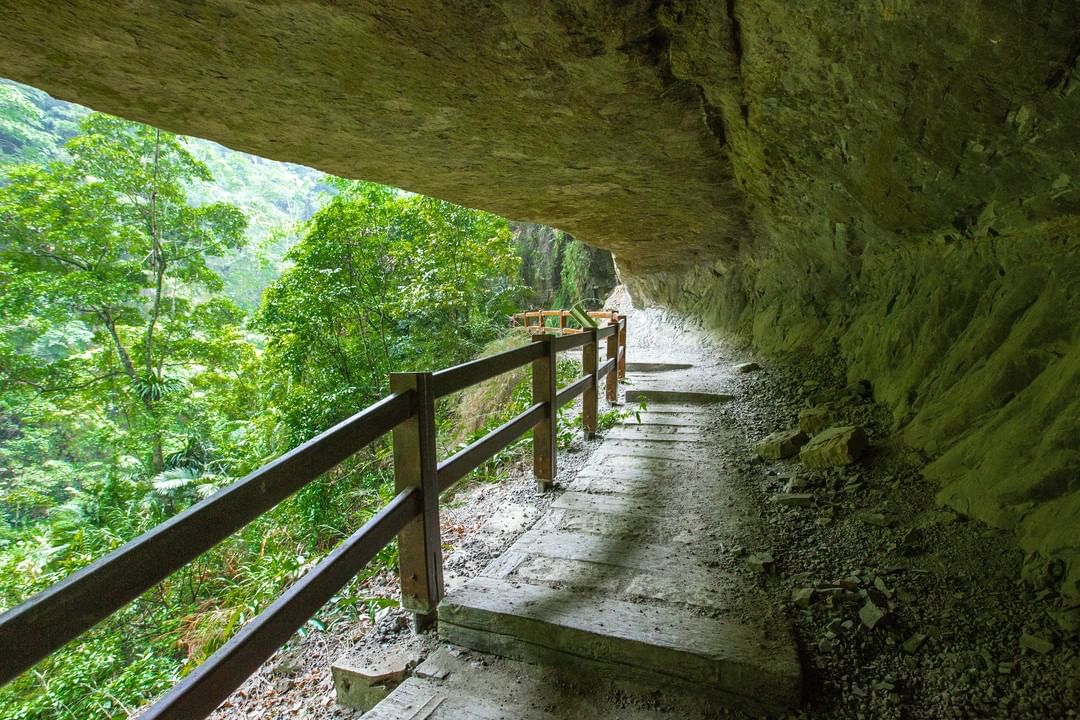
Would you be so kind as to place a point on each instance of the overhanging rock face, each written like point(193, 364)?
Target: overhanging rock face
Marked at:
point(565, 113)
point(899, 179)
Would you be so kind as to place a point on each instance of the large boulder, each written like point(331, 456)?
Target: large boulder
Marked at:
point(781, 444)
point(834, 447)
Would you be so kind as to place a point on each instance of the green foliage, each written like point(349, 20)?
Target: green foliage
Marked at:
point(134, 383)
point(109, 240)
point(561, 271)
point(33, 126)
point(381, 281)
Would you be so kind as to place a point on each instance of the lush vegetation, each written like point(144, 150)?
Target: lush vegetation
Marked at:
point(172, 316)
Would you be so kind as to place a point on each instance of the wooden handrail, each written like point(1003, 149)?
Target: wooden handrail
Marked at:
point(569, 342)
point(475, 454)
point(197, 695)
point(612, 316)
point(45, 622)
point(572, 390)
point(462, 376)
point(41, 625)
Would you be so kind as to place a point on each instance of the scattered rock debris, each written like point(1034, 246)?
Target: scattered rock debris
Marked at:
point(479, 521)
point(903, 609)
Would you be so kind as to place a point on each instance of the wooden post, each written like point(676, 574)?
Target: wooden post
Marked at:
point(622, 346)
point(415, 462)
point(562, 323)
point(613, 376)
point(591, 397)
point(544, 437)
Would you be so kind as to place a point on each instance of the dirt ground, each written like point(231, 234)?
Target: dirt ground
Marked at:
point(954, 633)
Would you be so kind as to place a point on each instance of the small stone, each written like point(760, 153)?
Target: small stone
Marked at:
point(1068, 619)
point(873, 518)
point(1036, 643)
point(815, 419)
point(913, 643)
point(834, 447)
point(781, 444)
point(847, 624)
point(870, 615)
point(1005, 668)
point(747, 367)
point(796, 484)
point(861, 389)
point(438, 674)
point(803, 597)
point(363, 682)
point(942, 517)
point(912, 540)
point(287, 666)
point(762, 562)
point(802, 500)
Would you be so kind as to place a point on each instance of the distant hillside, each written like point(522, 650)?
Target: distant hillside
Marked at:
point(275, 196)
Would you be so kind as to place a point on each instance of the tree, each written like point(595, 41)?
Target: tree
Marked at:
point(108, 242)
point(382, 281)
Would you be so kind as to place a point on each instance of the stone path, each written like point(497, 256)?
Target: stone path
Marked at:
point(616, 586)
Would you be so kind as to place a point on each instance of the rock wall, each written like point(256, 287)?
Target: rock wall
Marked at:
point(898, 179)
point(910, 175)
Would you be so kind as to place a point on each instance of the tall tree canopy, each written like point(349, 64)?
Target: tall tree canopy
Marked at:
point(383, 281)
point(107, 247)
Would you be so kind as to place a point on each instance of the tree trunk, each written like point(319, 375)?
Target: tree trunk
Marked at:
point(157, 450)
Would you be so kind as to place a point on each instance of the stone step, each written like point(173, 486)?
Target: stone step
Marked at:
point(675, 397)
point(455, 685)
point(653, 646)
point(652, 367)
point(690, 420)
point(648, 434)
point(623, 454)
point(659, 427)
point(692, 583)
point(635, 448)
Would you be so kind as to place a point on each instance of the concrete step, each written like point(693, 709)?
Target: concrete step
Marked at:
point(652, 367)
point(683, 419)
point(652, 646)
point(660, 398)
point(650, 434)
point(456, 685)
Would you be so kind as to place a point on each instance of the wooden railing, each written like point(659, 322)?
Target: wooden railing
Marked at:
point(54, 617)
point(535, 322)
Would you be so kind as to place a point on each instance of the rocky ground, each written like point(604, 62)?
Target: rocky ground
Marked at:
point(901, 608)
